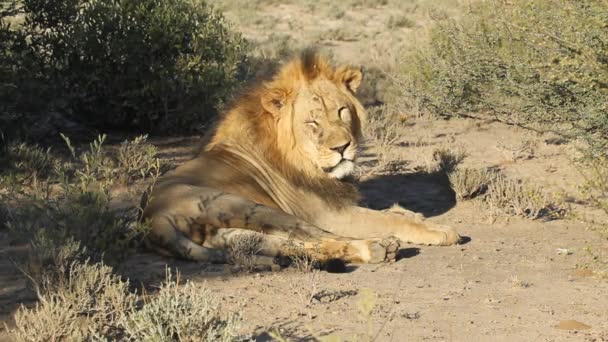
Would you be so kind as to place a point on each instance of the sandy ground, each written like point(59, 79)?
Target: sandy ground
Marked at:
point(513, 279)
point(510, 280)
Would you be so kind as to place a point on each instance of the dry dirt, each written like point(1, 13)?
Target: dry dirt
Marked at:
point(513, 279)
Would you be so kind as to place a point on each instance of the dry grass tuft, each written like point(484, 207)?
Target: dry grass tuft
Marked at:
point(595, 187)
point(180, 313)
point(89, 303)
point(84, 301)
point(448, 158)
point(504, 194)
point(470, 183)
point(518, 283)
point(516, 197)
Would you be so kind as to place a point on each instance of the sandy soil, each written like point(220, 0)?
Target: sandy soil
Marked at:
point(513, 279)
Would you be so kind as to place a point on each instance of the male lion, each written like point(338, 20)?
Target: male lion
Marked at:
point(277, 163)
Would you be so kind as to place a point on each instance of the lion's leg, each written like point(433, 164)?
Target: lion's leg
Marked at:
point(264, 245)
point(407, 226)
point(197, 212)
point(168, 238)
point(223, 210)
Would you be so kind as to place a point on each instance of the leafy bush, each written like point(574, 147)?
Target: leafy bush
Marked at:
point(148, 64)
point(31, 162)
point(21, 92)
point(540, 64)
point(72, 204)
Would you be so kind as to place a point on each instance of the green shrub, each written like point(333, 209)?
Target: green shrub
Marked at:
point(73, 203)
point(540, 64)
point(22, 93)
point(148, 64)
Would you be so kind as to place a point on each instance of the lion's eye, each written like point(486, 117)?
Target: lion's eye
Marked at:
point(344, 114)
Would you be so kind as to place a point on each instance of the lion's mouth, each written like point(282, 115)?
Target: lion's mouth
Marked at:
point(332, 168)
point(341, 170)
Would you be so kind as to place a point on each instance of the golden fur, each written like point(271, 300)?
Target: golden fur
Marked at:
point(278, 162)
point(248, 115)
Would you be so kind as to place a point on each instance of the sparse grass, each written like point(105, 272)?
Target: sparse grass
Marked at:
point(506, 195)
point(518, 283)
point(469, 183)
point(179, 313)
point(67, 216)
point(340, 34)
point(382, 132)
point(301, 259)
point(399, 21)
point(137, 159)
point(85, 301)
point(512, 153)
point(89, 303)
point(516, 197)
point(595, 188)
point(449, 157)
point(596, 261)
point(30, 162)
point(305, 290)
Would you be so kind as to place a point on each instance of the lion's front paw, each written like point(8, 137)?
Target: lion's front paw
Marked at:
point(430, 234)
point(374, 251)
point(449, 236)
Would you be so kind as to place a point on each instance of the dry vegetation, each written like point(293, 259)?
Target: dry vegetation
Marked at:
point(503, 194)
point(87, 302)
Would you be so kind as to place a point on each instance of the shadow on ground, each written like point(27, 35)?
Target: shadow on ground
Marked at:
point(427, 193)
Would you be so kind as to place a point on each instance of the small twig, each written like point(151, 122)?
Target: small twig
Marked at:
point(34, 283)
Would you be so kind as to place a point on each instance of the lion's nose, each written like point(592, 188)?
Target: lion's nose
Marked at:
point(341, 149)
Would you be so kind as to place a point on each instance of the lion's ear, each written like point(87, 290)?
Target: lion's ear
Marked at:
point(273, 100)
point(350, 76)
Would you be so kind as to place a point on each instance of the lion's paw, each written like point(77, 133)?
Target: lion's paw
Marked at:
point(382, 250)
point(449, 236)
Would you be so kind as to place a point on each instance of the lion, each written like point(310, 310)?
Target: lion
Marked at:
point(280, 162)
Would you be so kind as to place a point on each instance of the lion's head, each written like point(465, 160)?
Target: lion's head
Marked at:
point(317, 115)
point(306, 121)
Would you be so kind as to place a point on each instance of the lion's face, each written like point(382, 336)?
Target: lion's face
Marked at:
point(326, 127)
point(317, 116)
